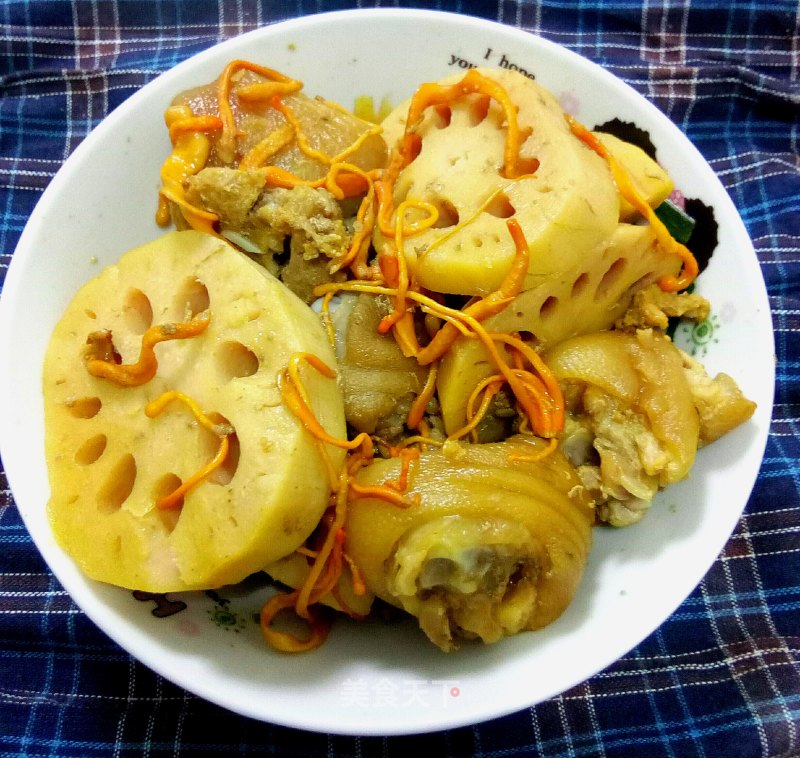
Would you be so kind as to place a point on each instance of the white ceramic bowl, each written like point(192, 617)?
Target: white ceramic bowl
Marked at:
point(374, 678)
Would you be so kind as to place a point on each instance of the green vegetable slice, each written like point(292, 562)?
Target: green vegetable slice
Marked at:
point(679, 223)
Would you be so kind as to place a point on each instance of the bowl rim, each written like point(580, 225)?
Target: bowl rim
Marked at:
point(137, 643)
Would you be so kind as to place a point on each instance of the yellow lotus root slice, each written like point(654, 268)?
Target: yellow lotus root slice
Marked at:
point(495, 546)
point(649, 178)
point(109, 462)
point(292, 571)
point(590, 298)
point(566, 207)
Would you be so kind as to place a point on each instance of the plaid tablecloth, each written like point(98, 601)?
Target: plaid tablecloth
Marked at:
point(720, 677)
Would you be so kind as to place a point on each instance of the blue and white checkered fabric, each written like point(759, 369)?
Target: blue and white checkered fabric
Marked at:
point(721, 675)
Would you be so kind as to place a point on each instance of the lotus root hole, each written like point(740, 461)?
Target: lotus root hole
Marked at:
point(443, 116)
point(528, 337)
point(641, 283)
point(479, 109)
point(192, 298)
point(448, 214)
point(235, 361)
point(118, 485)
point(226, 471)
point(548, 307)
point(164, 486)
point(84, 407)
point(209, 447)
point(137, 311)
point(501, 206)
point(527, 165)
point(610, 278)
point(579, 285)
point(91, 450)
point(414, 147)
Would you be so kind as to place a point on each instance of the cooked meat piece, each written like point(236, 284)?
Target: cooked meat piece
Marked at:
point(616, 437)
point(720, 403)
point(652, 307)
point(229, 193)
point(379, 382)
point(499, 420)
point(610, 510)
point(493, 545)
point(311, 217)
point(301, 275)
point(260, 221)
point(631, 458)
